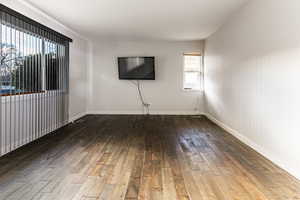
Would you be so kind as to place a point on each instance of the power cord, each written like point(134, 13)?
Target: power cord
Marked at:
point(144, 104)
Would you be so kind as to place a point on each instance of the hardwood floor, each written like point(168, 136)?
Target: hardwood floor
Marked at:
point(142, 157)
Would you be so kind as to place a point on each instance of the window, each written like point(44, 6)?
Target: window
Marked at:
point(192, 71)
point(51, 66)
point(19, 70)
point(29, 63)
point(33, 57)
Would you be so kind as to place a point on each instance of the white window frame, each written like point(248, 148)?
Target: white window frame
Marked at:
point(200, 71)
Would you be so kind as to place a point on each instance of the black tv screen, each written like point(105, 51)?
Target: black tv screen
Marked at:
point(136, 68)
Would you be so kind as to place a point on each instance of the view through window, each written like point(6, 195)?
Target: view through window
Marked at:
point(192, 72)
point(29, 63)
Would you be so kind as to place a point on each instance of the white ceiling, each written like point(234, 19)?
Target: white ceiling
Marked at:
point(141, 19)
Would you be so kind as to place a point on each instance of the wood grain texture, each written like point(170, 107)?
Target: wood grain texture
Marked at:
point(145, 158)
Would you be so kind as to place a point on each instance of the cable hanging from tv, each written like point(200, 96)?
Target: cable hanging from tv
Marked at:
point(145, 105)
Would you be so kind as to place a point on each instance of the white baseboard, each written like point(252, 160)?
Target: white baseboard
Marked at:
point(131, 112)
point(77, 116)
point(270, 156)
point(273, 158)
point(134, 112)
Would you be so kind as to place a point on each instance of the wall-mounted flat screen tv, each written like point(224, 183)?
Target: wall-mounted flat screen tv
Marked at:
point(136, 68)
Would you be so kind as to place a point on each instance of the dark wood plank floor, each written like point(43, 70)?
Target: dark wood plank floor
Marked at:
point(142, 157)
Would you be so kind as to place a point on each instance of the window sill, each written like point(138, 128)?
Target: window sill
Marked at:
point(192, 90)
point(21, 93)
point(29, 96)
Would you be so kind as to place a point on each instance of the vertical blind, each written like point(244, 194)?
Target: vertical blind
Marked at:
point(33, 80)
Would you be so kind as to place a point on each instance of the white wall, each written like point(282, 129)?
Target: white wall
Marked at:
point(109, 95)
point(78, 55)
point(252, 79)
